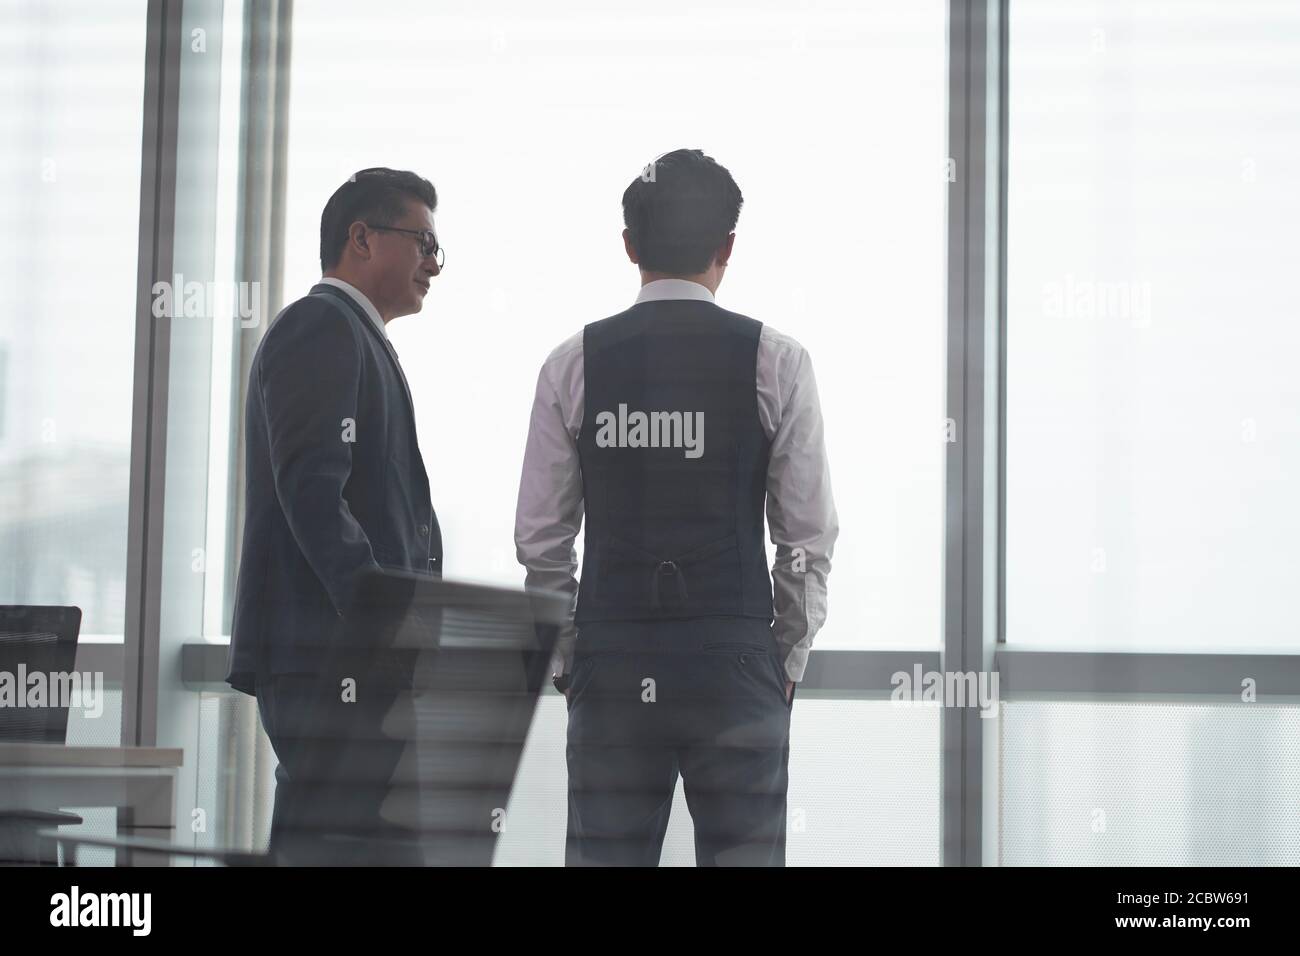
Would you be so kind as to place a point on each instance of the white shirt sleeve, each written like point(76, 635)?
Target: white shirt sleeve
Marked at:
point(549, 512)
point(800, 506)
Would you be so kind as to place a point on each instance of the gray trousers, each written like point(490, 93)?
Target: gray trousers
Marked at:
point(703, 698)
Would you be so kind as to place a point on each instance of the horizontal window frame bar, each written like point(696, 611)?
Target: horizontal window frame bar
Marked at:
point(868, 674)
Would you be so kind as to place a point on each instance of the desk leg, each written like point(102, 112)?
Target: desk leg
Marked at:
point(150, 805)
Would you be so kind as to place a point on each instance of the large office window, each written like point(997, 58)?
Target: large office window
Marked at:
point(830, 116)
point(70, 105)
point(1153, 423)
point(70, 108)
point(1153, 407)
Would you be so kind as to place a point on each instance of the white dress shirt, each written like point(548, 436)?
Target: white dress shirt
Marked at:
point(800, 508)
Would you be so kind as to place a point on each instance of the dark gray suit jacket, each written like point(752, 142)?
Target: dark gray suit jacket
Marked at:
point(336, 486)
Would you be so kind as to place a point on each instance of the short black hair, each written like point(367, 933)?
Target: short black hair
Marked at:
point(679, 211)
point(378, 195)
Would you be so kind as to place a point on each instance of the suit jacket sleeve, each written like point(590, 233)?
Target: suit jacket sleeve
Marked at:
point(309, 375)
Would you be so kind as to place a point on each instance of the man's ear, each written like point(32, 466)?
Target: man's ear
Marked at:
point(627, 245)
point(724, 250)
point(359, 240)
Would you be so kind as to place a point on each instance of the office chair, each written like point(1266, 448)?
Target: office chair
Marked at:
point(34, 639)
point(457, 670)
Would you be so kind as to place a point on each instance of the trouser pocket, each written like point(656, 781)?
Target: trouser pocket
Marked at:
point(762, 663)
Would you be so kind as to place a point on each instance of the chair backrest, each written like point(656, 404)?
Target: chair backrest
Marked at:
point(447, 678)
point(38, 647)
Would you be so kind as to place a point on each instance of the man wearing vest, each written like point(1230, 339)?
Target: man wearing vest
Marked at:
point(672, 426)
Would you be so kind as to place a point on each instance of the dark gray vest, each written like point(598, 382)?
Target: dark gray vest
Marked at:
point(674, 466)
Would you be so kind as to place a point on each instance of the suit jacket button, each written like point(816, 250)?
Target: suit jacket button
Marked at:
point(424, 531)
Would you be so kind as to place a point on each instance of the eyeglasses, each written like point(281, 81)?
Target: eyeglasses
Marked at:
point(428, 241)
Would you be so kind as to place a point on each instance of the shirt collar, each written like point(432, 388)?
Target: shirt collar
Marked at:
point(673, 289)
point(360, 299)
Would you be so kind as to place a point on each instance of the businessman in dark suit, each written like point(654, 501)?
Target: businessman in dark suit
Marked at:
point(336, 489)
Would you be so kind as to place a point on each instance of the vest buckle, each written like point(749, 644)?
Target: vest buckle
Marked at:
point(666, 568)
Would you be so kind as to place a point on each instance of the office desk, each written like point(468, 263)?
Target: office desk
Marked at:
point(139, 781)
